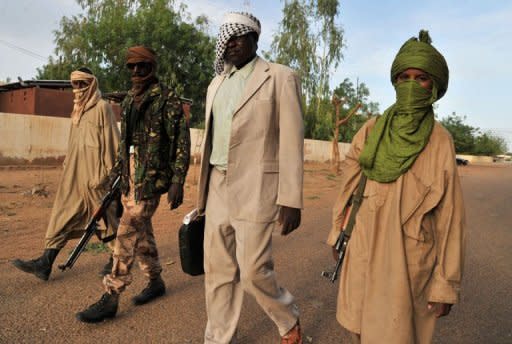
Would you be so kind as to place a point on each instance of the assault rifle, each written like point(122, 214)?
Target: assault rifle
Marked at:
point(92, 225)
point(118, 96)
point(347, 227)
point(341, 248)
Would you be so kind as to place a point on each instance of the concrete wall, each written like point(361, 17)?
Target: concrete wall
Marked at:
point(28, 139)
point(314, 150)
point(474, 159)
point(32, 139)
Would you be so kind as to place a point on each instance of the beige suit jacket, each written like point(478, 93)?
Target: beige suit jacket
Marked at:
point(265, 158)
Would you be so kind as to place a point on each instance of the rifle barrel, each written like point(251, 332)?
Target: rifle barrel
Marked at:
point(92, 226)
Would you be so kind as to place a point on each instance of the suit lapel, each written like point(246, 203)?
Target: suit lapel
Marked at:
point(258, 76)
point(211, 96)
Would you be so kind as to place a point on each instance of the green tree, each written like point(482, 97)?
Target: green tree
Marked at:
point(330, 42)
point(310, 39)
point(324, 121)
point(100, 36)
point(294, 45)
point(489, 144)
point(463, 135)
point(352, 95)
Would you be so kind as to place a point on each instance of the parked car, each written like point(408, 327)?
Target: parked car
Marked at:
point(461, 161)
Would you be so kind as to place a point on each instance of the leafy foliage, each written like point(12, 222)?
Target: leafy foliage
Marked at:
point(463, 134)
point(470, 140)
point(100, 37)
point(321, 126)
point(294, 45)
point(310, 40)
point(490, 144)
point(330, 42)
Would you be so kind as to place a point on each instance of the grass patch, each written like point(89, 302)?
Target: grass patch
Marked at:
point(331, 176)
point(96, 247)
point(313, 197)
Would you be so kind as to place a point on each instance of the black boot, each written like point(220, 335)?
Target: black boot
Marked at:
point(41, 267)
point(107, 268)
point(105, 308)
point(154, 289)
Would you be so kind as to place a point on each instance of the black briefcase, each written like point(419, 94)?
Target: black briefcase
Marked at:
point(191, 237)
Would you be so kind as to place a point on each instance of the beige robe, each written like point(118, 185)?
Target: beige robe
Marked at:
point(407, 247)
point(92, 148)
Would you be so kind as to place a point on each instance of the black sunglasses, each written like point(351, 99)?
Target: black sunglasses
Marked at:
point(139, 65)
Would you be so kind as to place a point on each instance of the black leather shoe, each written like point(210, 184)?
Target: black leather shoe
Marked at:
point(40, 267)
point(105, 308)
point(154, 289)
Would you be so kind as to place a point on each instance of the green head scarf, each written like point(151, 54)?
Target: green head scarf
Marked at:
point(404, 129)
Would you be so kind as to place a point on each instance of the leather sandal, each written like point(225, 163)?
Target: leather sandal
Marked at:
point(294, 336)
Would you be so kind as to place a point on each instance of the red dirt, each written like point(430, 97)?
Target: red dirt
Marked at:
point(35, 311)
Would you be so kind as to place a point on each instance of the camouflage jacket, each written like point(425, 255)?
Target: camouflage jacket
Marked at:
point(161, 144)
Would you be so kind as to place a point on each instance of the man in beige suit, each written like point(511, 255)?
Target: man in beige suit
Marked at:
point(251, 179)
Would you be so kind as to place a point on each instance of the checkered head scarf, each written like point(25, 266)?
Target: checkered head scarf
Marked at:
point(235, 24)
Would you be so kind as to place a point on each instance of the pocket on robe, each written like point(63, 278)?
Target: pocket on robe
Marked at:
point(92, 134)
point(414, 193)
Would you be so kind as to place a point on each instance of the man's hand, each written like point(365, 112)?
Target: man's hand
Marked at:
point(289, 218)
point(175, 196)
point(440, 309)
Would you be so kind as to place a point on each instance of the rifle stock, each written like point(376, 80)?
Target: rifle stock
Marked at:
point(92, 226)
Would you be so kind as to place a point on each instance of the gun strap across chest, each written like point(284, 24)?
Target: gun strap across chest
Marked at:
point(356, 203)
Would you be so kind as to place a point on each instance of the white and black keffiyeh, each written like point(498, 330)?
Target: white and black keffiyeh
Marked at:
point(235, 24)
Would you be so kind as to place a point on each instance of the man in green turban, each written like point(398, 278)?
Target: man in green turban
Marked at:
point(403, 264)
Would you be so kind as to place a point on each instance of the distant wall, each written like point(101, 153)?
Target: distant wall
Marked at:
point(32, 139)
point(316, 150)
point(37, 101)
point(475, 159)
point(29, 139)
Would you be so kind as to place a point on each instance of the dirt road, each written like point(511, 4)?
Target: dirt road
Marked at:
point(33, 311)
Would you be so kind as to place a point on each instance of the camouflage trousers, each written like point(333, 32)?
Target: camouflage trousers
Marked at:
point(135, 239)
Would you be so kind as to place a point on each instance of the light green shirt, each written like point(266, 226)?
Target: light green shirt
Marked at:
point(225, 103)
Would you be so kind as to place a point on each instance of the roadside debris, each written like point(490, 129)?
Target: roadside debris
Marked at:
point(37, 190)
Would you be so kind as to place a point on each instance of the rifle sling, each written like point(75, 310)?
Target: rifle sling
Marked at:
point(356, 203)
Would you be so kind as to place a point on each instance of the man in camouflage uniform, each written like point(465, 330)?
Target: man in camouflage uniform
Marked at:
point(153, 159)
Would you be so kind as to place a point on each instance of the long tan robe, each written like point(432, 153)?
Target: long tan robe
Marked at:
point(407, 247)
point(92, 148)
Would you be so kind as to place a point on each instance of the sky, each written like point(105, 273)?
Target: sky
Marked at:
point(474, 36)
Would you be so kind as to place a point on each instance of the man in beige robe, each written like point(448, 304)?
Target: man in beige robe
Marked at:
point(403, 265)
point(251, 179)
point(92, 147)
